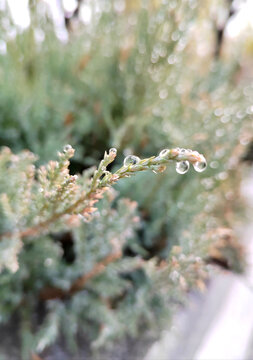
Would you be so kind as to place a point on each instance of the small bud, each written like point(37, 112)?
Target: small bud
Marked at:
point(161, 169)
point(73, 178)
point(174, 152)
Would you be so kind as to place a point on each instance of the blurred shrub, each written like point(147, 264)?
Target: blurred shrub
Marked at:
point(49, 250)
point(131, 78)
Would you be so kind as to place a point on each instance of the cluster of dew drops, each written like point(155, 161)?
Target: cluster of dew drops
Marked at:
point(182, 166)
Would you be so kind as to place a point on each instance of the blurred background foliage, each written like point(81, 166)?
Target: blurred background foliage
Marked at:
point(139, 76)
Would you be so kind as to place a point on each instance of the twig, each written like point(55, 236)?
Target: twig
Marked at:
point(103, 179)
point(50, 293)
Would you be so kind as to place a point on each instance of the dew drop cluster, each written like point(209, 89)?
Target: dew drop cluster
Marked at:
point(182, 166)
point(183, 159)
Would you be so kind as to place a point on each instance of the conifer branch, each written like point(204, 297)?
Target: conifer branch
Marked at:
point(83, 201)
point(50, 293)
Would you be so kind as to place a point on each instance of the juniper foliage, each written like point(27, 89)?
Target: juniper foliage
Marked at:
point(130, 79)
point(99, 281)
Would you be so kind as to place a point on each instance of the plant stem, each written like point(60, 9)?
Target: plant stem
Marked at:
point(154, 163)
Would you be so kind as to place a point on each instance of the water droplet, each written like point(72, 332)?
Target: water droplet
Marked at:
point(214, 164)
point(218, 112)
point(131, 160)
point(200, 166)
point(225, 119)
point(163, 94)
point(171, 59)
point(222, 176)
point(113, 152)
point(164, 152)
point(182, 151)
point(182, 167)
point(208, 183)
point(67, 148)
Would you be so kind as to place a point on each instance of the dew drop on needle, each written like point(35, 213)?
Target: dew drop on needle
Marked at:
point(182, 167)
point(131, 160)
point(200, 166)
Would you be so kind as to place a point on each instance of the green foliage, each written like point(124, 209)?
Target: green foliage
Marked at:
point(49, 199)
point(36, 204)
point(125, 76)
point(132, 79)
